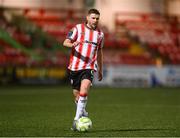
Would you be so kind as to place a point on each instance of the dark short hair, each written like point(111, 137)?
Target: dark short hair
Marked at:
point(95, 11)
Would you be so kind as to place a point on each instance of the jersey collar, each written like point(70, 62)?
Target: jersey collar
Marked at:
point(91, 28)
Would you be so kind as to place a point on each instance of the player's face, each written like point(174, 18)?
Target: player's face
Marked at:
point(92, 20)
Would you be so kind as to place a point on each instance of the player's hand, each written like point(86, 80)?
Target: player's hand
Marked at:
point(100, 76)
point(75, 44)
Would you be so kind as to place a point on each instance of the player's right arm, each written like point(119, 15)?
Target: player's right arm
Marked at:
point(68, 43)
point(71, 38)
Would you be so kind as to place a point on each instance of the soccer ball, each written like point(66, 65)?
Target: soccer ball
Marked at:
point(83, 124)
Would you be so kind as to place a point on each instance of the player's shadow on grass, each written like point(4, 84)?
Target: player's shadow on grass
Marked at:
point(130, 130)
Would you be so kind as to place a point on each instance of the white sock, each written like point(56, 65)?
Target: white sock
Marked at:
point(84, 110)
point(81, 105)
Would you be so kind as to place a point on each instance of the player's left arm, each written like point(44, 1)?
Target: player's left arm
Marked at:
point(100, 64)
point(100, 58)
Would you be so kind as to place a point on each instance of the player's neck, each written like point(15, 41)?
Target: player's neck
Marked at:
point(91, 27)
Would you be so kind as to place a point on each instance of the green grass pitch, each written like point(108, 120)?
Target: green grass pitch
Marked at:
point(48, 111)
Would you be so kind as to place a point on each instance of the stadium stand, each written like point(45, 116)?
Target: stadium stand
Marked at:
point(138, 38)
point(55, 22)
point(157, 32)
point(31, 45)
point(9, 55)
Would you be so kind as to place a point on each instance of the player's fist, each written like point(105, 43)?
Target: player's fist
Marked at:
point(75, 44)
point(100, 76)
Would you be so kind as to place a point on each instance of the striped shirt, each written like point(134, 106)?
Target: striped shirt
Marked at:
point(84, 55)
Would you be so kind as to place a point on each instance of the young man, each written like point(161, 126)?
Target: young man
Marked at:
point(86, 41)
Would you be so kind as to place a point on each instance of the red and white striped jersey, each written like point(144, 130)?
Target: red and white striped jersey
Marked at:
point(84, 55)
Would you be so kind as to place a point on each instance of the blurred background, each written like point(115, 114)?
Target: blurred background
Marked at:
point(141, 49)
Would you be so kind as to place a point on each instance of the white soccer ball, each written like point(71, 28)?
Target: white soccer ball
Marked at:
point(83, 124)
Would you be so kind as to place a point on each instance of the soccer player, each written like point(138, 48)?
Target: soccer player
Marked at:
point(86, 43)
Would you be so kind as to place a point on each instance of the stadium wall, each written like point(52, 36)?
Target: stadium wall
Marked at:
point(32, 75)
point(114, 76)
point(140, 76)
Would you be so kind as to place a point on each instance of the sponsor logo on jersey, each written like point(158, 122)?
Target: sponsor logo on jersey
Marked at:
point(90, 42)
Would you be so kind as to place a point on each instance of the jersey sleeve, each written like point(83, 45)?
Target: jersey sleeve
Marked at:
point(72, 34)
